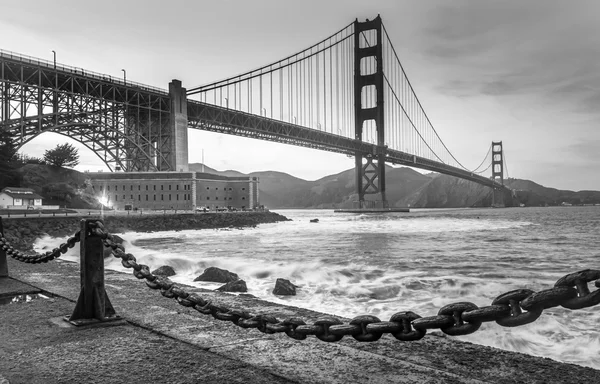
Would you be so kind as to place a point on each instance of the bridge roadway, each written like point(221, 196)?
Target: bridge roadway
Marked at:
point(162, 341)
point(213, 118)
point(21, 70)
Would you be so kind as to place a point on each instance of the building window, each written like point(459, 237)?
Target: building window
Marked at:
point(116, 198)
point(123, 197)
point(177, 187)
point(243, 198)
point(154, 197)
point(123, 187)
point(161, 187)
point(207, 188)
point(146, 187)
point(177, 197)
point(154, 187)
point(139, 187)
point(207, 197)
point(146, 197)
point(169, 187)
point(243, 189)
point(162, 197)
point(139, 197)
point(217, 198)
point(108, 188)
point(216, 189)
point(169, 195)
point(230, 188)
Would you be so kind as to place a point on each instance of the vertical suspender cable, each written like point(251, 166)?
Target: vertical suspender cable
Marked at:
point(331, 88)
point(271, 83)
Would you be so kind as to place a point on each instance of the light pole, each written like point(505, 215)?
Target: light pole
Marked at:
point(124, 76)
point(54, 52)
point(226, 103)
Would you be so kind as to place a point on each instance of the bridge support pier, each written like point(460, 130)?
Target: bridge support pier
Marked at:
point(178, 127)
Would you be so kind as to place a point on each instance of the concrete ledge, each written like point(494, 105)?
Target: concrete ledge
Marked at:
point(164, 341)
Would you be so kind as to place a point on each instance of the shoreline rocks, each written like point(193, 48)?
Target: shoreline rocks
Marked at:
point(234, 286)
point(217, 275)
point(21, 233)
point(284, 287)
point(165, 270)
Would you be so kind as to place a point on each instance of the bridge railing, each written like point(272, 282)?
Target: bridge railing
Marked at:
point(77, 70)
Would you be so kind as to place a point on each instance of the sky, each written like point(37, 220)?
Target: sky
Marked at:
point(524, 72)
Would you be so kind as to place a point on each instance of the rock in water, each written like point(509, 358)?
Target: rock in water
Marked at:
point(234, 286)
point(165, 270)
point(108, 251)
point(284, 287)
point(217, 275)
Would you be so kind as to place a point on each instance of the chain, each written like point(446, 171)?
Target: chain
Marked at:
point(514, 308)
point(40, 257)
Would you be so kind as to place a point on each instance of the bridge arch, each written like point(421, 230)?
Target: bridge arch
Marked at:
point(103, 140)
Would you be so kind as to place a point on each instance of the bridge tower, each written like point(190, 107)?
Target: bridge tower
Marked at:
point(370, 175)
point(497, 173)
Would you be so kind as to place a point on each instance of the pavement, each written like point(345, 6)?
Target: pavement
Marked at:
point(158, 340)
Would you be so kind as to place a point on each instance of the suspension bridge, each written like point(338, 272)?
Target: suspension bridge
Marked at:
point(347, 94)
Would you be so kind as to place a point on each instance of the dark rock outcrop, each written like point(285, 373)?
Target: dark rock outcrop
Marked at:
point(284, 287)
point(108, 251)
point(234, 286)
point(217, 275)
point(165, 270)
point(22, 233)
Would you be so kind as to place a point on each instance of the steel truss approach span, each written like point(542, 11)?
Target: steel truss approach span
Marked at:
point(347, 94)
point(126, 124)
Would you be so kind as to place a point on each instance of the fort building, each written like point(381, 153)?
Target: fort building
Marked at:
point(174, 190)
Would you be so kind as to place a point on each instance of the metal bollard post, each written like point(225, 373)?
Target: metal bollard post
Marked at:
point(93, 304)
point(3, 262)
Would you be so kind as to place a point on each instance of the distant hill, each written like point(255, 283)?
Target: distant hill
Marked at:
point(530, 193)
point(405, 187)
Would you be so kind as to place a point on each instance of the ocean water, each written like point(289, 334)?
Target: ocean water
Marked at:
point(380, 264)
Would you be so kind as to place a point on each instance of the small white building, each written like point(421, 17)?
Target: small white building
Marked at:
point(19, 197)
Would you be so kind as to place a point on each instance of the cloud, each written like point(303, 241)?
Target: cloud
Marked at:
point(546, 49)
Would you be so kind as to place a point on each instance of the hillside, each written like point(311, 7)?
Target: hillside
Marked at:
point(59, 186)
point(405, 188)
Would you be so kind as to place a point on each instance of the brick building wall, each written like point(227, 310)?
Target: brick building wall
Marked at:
point(174, 190)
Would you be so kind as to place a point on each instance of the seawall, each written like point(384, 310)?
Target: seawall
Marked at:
point(22, 232)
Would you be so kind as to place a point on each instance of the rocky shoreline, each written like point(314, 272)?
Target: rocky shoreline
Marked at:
point(22, 232)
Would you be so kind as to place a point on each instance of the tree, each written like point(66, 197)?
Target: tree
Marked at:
point(64, 155)
point(9, 177)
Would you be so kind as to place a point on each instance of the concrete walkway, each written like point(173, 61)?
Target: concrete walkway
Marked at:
point(161, 341)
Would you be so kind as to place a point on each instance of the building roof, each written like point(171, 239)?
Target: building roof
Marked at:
point(20, 193)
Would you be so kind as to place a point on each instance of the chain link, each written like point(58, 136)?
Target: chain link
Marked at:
point(39, 257)
point(455, 319)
